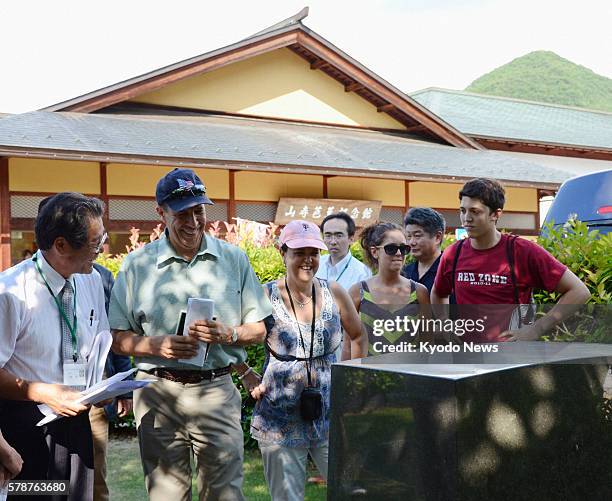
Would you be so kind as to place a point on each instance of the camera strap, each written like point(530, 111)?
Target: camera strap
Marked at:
point(308, 361)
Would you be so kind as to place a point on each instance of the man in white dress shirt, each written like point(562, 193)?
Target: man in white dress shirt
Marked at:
point(51, 310)
point(340, 265)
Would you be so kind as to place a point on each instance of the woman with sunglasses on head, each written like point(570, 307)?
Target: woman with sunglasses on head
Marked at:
point(387, 295)
point(291, 417)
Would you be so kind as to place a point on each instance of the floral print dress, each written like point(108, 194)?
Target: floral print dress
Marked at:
point(276, 417)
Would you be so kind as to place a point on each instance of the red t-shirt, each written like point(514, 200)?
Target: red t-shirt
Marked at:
point(483, 277)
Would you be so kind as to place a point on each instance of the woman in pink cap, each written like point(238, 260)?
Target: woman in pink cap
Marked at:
point(291, 418)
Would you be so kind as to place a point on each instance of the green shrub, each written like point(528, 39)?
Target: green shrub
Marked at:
point(357, 251)
point(587, 253)
point(266, 261)
point(110, 262)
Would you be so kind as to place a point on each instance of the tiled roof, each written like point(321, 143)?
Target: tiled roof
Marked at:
point(291, 33)
point(250, 142)
point(498, 117)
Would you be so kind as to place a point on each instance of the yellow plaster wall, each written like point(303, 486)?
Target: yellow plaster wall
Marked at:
point(277, 84)
point(141, 180)
point(438, 195)
point(49, 176)
point(389, 191)
point(521, 199)
point(269, 187)
point(446, 196)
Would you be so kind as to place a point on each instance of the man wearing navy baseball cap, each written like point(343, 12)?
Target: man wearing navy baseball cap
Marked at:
point(190, 409)
point(181, 189)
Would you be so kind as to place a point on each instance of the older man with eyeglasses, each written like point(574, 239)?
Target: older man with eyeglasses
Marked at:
point(51, 311)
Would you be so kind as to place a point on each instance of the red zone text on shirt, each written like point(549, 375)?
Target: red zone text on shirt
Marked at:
point(483, 277)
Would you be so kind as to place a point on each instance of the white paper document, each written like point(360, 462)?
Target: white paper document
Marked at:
point(198, 309)
point(94, 369)
point(104, 390)
point(97, 358)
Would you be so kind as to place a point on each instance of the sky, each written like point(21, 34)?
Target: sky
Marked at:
point(53, 51)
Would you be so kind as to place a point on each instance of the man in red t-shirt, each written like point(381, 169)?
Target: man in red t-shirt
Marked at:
point(484, 275)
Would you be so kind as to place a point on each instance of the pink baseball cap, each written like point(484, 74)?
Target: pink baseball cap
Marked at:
point(298, 234)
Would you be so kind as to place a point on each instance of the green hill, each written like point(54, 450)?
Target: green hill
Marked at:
point(545, 76)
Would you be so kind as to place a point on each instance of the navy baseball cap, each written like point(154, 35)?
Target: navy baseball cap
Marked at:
point(181, 189)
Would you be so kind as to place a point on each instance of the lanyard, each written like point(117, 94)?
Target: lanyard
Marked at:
point(312, 327)
point(72, 328)
point(342, 272)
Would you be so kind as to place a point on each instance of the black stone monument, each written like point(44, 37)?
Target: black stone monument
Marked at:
point(526, 423)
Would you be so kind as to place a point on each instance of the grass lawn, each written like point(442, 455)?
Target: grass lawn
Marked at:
point(126, 482)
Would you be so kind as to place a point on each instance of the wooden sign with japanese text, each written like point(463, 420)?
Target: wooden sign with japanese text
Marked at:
point(364, 212)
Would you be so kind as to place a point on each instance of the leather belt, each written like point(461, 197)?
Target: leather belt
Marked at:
point(189, 376)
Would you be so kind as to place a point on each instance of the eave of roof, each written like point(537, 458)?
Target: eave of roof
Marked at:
point(235, 143)
point(306, 43)
point(519, 121)
point(509, 99)
point(78, 102)
point(531, 146)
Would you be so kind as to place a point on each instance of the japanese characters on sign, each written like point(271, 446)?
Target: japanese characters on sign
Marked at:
point(364, 212)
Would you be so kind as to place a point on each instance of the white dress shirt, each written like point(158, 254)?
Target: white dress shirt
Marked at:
point(347, 272)
point(30, 329)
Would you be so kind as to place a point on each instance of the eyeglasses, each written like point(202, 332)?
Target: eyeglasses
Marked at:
point(196, 190)
point(391, 249)
point(98, 248)
point(334, 236)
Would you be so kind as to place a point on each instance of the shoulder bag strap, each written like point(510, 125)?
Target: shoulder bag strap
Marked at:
point(510, 256)
point(455, 260)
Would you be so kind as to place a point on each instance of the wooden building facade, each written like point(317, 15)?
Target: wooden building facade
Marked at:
point(283, 113)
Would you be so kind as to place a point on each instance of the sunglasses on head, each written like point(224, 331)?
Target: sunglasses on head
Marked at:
point(195, 190)
point(391, 249)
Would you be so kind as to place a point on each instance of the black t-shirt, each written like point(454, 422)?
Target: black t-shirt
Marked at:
point(411, 271)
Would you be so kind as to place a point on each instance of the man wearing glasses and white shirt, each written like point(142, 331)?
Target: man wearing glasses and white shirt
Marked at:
point(340, 265)
point(51, 311)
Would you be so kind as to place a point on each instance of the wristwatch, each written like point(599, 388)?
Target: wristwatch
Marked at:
point(234, 335)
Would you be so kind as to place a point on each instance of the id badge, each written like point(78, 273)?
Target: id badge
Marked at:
point(74, 374)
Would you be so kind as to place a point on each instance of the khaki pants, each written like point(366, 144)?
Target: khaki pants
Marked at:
point(285, 469)
point(176, 420)
point(99, 433)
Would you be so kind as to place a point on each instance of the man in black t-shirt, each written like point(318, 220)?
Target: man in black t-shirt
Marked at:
point(424, 233)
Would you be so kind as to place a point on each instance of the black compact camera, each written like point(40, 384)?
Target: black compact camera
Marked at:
point(311, 403)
